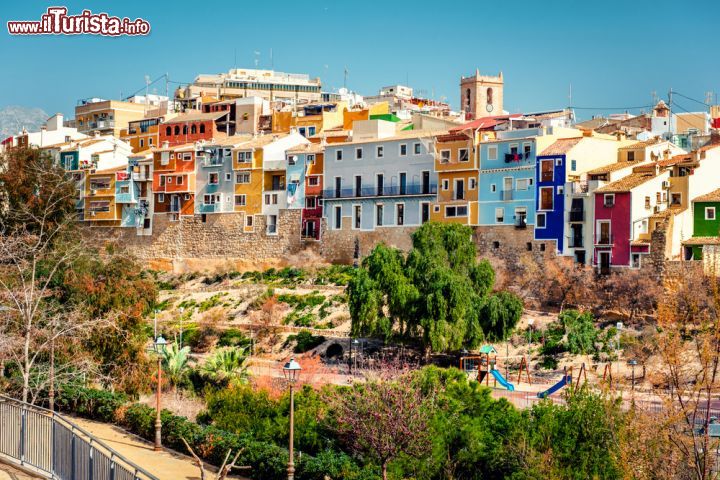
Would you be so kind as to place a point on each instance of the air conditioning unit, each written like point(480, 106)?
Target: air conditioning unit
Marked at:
point(666, 184)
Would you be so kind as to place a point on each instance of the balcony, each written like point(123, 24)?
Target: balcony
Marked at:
point(579, 187)
point(516, 157)
point(387, 191)
point(506, 195)
point(603, 239)
point(103, 124)
point(577, 215)
point(208, 208)
point(212, 161)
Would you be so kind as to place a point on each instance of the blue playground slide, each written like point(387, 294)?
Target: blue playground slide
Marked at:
point(501, 380)
point(565, 380)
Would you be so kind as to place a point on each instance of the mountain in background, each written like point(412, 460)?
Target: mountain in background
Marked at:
point(13, 118)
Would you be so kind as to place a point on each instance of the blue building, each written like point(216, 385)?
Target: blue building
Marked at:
point(378, 181)
point(549, 202)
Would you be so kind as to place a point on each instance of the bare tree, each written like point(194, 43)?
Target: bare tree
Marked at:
point(225, 468)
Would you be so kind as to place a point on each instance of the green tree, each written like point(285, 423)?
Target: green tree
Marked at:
point(580, 330)
point(226, 366)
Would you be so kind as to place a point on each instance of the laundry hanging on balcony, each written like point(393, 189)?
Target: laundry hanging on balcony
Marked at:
point(292, 191)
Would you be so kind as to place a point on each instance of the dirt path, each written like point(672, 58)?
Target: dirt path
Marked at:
point(164, 465)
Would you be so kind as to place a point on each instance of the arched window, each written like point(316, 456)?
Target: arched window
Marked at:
point(489, 96)
point(184, 129)
point(177, 129)
point(467, 99)
point(202, 128)
point(193, 129)
point(168, 131)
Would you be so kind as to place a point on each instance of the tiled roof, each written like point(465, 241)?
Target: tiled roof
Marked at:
point(307, 148)
point(643, 144)
point(259, 141)
point(485, 122)
point(562, 146)
point(405, 134)
point(713, 196)
point(614, 167)
point(120, 168)
point(674, 160)
point(230, 140)
point(626, 184)
point(593, 123)
point(702, 241)
point(147, 153)
point(195, 117)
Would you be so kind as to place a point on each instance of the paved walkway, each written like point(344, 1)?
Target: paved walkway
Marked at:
point(8, 472)
point(164, 465)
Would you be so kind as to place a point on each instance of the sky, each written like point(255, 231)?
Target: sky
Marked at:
point(615, 54)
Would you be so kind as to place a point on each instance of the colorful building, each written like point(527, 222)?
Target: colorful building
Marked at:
point(144, 133)
point(380, 179)
point(140, 213)
point(173, 172)
point(215, 182)
point(193, 127)
point(705, 242)
point(305, 168)
point(107, 117)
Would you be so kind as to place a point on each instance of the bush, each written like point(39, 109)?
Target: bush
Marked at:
point(90, 403)
point(305, 341)
point(233, 337)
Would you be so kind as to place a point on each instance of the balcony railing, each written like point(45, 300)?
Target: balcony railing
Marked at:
point(516, 157)
point(387, 191)
point(577, 215)
point(603, 239)
point(506, 195)
point(208, 208)
point(312, 212)
point(212, 162)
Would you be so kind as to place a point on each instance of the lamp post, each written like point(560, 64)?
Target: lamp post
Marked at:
point(182, 310)
point(355, 342)
point(531, 322)
point(291, 371)
point(160, 343)
point(632, 363)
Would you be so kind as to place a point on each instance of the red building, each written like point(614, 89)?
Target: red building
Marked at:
point(191, 127)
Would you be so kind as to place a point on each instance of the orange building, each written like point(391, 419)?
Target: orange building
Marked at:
point(174, 180)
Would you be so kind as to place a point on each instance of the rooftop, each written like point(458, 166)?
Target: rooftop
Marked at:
point(196, 117)
point(307, 148)
point(702, 241)
point(645, 143)
point(626, 184)
point(562, 146)
point(401, 135)
point(614, 167)
point(713, 196)
point(485, 122)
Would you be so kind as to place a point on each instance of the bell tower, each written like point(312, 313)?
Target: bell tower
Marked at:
point(481, 95)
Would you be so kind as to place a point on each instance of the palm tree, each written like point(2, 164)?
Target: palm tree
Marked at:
point(226, 366)
point(175, 363)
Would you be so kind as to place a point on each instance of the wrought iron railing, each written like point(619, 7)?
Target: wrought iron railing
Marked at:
point(385, 191)
point(55, 447)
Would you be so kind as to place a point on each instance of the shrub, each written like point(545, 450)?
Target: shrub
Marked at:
point(581, 332)
point(233, 337)
point(90, 403)
point(305, 341)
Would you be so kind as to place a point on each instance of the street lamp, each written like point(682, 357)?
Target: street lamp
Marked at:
point(632, 363)
point(291, 371)
point(160, 344)
point(182, 310)
point(355, 342)
point(531, 322)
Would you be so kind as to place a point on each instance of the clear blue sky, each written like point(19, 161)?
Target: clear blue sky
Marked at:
point(615, 53)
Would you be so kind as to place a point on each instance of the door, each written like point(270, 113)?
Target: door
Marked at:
point(403, 183)
point(380, 183)
point(426, 182)
point(175, 203)
point(459, 189)
point(425, 212)
point(604, 236)
point(338, 185)
point(604, 263)
point(358, 186)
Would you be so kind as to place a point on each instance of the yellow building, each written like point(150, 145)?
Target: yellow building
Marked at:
point(456, 163)
point(100, 205)
point(108, 116)
point(311, 119)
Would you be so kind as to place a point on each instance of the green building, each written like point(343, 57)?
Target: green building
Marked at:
point(706, 227)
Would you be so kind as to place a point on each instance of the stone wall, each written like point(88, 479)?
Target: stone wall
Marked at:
point(217, 243)
point(507, 244)
point(338, 246)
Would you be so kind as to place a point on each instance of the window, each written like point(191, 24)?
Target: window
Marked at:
point(202, 128)
point(635, 260)
point(416, 148)
point(162, 180)
point(240, 200)
point(242, 177)
point(456, 211)
point(338, 157)
point(314, 181)
point(676, 198)
point(546, 198)
point(179, 180)
point(446, 184)
point(177, 130)
point(573, 165)
point(214, 178)
point(473, 183)
point(542, 247)
point(631, 156)
point(249, 221)
point(527, 148)
point(647, 203)
point(168, 131)
point(193, 129)
point(125, 189)
point(546, 170)
point(357, 217)
point(100, 183)
point(338, 217)
point(228, 176)
point(489, 95)
point(379, 210)
point(499, 215)
point(186, 156)
point(496, 245)
point(540, 220)
point(492, 153)
point(271, 199)
point(380, 151)
point(150, 141)
point(609, 200)
point(444, 156)
point(209, 199)
point(311, 131)
point(310, 159)
point(400, 214)
point(528, 246)
point(310, 202)
point(142, 143)
point(185, 130)
point(463, 155)
point(521, 184)
point(292, 159)
point(244, 157)
point(560, 189)
point(459, 189)
point(493, 187)
point(558, 162)
point(161, 198)
point(358, 153)
point(186, 196)
point(709, 213)
point(403, 149)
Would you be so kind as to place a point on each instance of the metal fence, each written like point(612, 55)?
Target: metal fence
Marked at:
point(53, 446)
